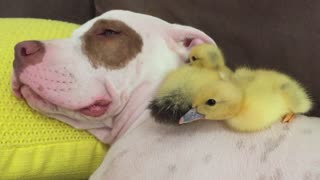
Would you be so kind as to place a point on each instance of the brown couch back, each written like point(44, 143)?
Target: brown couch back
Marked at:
point(278, 34)
point(77, 11)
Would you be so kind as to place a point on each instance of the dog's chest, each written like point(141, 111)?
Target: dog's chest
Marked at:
point(209, 151)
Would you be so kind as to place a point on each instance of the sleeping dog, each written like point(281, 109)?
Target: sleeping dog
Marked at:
point(102, 79)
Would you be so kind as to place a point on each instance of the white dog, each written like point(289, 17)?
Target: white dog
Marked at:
point(102, 80)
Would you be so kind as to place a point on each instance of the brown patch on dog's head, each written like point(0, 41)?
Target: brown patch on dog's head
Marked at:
point(111, 43)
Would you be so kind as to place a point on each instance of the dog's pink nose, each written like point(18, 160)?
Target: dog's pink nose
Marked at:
point(27, 48)
point(27, 53)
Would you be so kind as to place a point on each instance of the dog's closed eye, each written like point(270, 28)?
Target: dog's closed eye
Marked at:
point(109, 32)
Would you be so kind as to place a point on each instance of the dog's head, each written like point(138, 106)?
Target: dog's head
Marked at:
point(106, 72)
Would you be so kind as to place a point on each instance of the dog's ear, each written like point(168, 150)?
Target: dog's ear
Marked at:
point(182, 38)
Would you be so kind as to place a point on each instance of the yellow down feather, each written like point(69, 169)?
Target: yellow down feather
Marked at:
point(253, 99)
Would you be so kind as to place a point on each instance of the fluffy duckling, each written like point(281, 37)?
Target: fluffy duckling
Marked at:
point(251, 101)
point(208, 56)
point(175, 95)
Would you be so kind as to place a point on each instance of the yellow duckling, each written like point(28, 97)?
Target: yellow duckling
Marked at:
point(175, 95)
point(208, 56)
point(251, 101)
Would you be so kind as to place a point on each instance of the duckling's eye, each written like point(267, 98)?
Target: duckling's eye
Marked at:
point(193, 58)
point(211, 102)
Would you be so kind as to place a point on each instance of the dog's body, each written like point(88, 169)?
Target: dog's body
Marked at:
point(102, 80)
point(209, 150)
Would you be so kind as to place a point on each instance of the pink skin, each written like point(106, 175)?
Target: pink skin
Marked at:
point(50, 86)
point(16, 86)
point(59, 84)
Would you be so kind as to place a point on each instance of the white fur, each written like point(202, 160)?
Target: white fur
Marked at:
point(209, 150)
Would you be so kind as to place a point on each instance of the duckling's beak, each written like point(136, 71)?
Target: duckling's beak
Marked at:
point(190, 116)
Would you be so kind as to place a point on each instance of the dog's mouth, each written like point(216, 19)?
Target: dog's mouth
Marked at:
point(95, 109)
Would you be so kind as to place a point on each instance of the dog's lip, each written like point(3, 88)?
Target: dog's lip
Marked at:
point(16, 87)
point(97, 109)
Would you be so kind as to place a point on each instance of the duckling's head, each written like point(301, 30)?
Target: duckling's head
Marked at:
point(219, 100)
point(207, 56)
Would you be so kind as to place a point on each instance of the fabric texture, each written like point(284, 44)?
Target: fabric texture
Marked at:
point(282, 35)
point(33, 146)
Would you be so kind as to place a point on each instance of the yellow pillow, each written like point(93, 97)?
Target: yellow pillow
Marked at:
point(33, 146)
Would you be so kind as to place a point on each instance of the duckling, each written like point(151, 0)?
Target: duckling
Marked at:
point(209, 56)
point(174, 98)
point(225, 96)
point(251, 101)
point(175, 95)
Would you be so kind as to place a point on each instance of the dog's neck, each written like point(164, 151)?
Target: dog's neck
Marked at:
point(134, 109)
point(129, 117)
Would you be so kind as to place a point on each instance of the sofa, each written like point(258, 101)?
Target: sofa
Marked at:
point(282, 35)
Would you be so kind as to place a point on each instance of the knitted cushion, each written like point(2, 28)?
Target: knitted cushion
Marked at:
point(33, 146)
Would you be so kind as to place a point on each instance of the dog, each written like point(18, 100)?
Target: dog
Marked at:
point(102, 80)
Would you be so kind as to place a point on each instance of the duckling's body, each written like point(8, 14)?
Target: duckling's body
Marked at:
point(269, 96)
point(266, 97)
point(174, 97)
